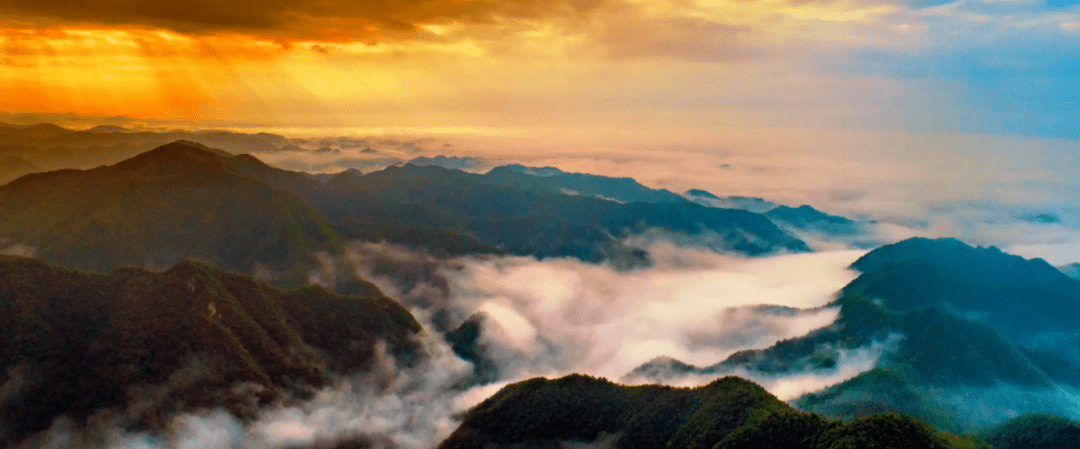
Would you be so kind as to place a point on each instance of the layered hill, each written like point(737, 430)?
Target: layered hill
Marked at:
point(53, 147)
point(526, 221)
point(727, 413)
point(14, 166)
point(801, 218)
point(945, 349)
point(810, 219)
point(553, 180)
point(188, 201)
point(150, 344)
point(752, 204)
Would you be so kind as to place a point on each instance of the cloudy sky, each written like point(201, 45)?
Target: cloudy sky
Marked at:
point(525, 67)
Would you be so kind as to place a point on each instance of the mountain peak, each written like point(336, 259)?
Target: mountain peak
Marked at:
point(701, 193)
point(180, 151)
point(542, 172)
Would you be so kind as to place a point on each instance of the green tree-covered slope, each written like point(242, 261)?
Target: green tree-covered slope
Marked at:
point(72, 343)
point(728, 413)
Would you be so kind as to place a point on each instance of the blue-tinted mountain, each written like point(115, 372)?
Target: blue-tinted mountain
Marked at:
point(542, 224)
point(1029, 306)
point(188, 201)
point(1040, 217)
point(945, 349)
point(553, 180)
point(727, 413)
point(192, 337)
point(698, 193)
point(752, 204)
point(807, 218)
point(1022, 298)
point(1071, 270)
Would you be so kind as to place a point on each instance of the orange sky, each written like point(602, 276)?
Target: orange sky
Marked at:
point(503, 66)
point(458, 64)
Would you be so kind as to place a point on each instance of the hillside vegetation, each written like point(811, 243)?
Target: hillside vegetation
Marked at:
point(152, 344)
point(728, 413)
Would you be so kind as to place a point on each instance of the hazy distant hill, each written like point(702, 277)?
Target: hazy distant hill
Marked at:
point(13, 166)
point(727, 413)
point(752, 204)
point(553, 180)
point(451, 162)
point(151, 344)
point(1071, 270)
point(54, 147)
point(804, 218)
point(808, 218)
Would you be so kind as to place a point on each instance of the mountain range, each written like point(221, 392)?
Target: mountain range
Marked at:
point(799, 219)
point(180, 278)
point(184, 200)
point(40, 147)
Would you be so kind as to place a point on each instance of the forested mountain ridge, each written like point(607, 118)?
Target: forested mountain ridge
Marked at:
point(544, 224)
point(1033, 431)
point(73, 343)
point(941, 329)
point(727, 413)
point(1020, 297)
point(553, 180)
point(179, 201)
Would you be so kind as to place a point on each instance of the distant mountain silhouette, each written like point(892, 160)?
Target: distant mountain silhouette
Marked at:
point(553, 180)
point(808, 218)
point(543, 224)
point(1071, 270)
point(450, 162)
point(804, 218)
point(12, 167)
point(54, 147)
point(752, 204)
point(190, 337)
point(698, 193)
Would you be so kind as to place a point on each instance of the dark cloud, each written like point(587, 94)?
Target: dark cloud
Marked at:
point(290, 19)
